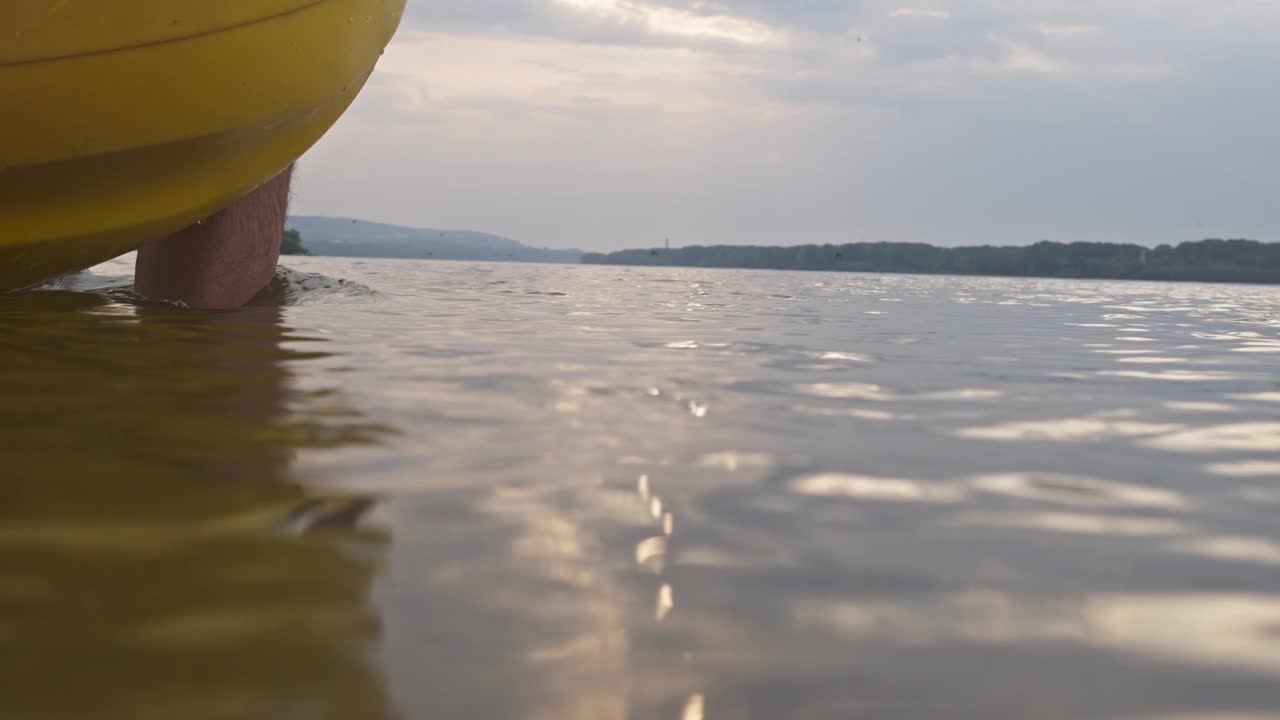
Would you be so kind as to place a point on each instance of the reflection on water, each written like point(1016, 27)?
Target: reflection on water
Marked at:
point(1071, 490)
point(861, 487)
point(158, 559)
point(657, 494)
point(1081, 523)
point(1259, 436)
point(1255, 468)
point(1097, 427)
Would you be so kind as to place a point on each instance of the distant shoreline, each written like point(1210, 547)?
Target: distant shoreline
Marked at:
point(1213, 260)
point(350, 237)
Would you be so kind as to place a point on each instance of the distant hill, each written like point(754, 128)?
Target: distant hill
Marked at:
point(345, 237)
point(1206, 260)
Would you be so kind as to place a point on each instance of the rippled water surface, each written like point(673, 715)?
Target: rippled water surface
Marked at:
point(445, 490)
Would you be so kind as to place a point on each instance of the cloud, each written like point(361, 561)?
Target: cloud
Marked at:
point(619, 22)
point(1020, 57)
point(917, 13)
point(666, 21)
point(609, 123)
point(1065, 31)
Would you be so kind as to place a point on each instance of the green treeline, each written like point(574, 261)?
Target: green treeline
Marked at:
point(291, 244)
point(1205, 260)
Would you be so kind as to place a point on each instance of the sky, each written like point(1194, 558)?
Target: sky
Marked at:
point(604, 124)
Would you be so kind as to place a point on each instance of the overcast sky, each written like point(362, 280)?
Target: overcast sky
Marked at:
point(604, 124)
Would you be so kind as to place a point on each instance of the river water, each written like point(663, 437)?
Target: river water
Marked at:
point(449, 490)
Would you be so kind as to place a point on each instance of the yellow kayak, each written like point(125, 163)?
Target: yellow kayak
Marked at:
point(127, 120)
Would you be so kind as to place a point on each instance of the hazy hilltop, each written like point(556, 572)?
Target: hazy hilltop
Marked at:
point(346, 237)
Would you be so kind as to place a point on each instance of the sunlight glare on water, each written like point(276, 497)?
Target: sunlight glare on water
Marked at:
point(452, 490)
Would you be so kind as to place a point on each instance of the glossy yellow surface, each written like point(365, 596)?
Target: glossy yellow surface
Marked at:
point(128, 120)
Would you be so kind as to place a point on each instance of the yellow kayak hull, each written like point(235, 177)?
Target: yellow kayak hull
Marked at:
point(129, 120)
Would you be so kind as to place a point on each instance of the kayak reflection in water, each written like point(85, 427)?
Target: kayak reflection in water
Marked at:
point(158, 558)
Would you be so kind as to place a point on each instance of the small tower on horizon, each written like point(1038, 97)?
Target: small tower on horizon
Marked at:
point(668, 243)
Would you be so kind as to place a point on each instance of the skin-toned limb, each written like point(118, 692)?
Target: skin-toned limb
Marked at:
point(224, 261)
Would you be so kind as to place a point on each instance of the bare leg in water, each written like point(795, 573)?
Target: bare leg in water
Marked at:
point(224, 261)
